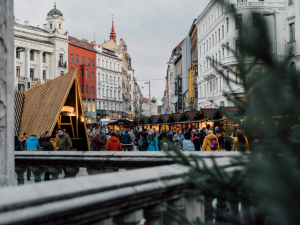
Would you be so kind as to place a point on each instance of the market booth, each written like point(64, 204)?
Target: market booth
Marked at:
point(55, 104)
point(120, 125)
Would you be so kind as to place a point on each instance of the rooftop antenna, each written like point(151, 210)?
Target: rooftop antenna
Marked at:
point(94, 37)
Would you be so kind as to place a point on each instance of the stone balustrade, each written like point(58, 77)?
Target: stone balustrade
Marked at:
point(104, 199)
point(95, 162)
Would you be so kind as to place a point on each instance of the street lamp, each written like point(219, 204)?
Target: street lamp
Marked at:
point(275, 30)
point(149, 96)
point(26, 65)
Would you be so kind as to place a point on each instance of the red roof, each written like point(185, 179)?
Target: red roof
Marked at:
point(209, 111)
point(192, 113)
point(80, 43)
point(179, 45)
point(165, 116)
point(231, 110)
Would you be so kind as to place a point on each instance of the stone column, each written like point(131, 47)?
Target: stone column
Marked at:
point(129, 218)
point(37, 171)
point(52, 66)
point(20, 170)
point(41, 64)
point(54, 171)
point(27, 67)
point(7, 161)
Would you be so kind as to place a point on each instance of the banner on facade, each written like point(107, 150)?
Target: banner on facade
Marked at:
point(191, 84)
point(186, 100)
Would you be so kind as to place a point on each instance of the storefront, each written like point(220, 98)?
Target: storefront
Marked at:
point(107, 114)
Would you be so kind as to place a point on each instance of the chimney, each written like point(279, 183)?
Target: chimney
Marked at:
point(26, 23)
point(83, 39)
point(45, 26)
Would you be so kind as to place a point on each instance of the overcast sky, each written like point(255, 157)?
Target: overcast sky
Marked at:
point(150, 28)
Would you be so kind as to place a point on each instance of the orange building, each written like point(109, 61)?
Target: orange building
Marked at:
point(83, 57)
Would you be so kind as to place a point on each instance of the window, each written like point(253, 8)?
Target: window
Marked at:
point(227, 23)
point(238, 21)
point(106, 79)
point(61, 73)
point(77, 59)
point(103, 77)
point(238, 77)
point(114, 80)
point(99, 93)
point(110, 79)
point(93, 63)
point(130, 87)
point(72, 58)
point(256, 20)
point(227, 77)
point(18, 71)
point(106, 92)
point(82, 88)
point(118, 67)
point(98, 76)
point(31, 55)
point(237, 47)
point(93, 76)
point(222, 103)
point(98, 62)
point(292, 32)
point(222, 31)
point(213, 40)
point(223, 52)
point(71, 68)
point(44, 74)
point(106, 65)
point(59, 25)
point(219, 35)
point(93, 90)
point(82, 73)
point(115, 94)
point(220, 57)
point(89, 61)
point(119, 95)
point(86, 74)
point(213, 60)
point(82, 60)
point(17, 53)
point(291, 2)
point(50, 25)
point(227, 48)
point(89, 107)
point(86, 89)
point(31, 73)
point(204, 48)
point(93, 107)
point(61, 58)
point(216, 36)
point(118, 80)
point(103, 63)
point(209, 43)
point(103, 92)
point(200, 52)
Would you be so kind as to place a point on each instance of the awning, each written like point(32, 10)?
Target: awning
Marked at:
point(218, 120)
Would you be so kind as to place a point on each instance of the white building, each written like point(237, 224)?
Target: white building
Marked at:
point(216, 29)
point(145, 107)
point(40, 53)
point(109, 80)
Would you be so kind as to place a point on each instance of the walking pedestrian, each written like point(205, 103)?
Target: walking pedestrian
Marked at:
point(24, 139)
point(240, 142)
point(202, 135)
point(170, 137)
point(113, 143)
point(196, 142)
point(47, 146)
point(178, 139)
point(96, 143)
point(143, 142)
point(63, 144)
point(126, 139)
point(152, 141)
point(210, 142)
point(187, 144)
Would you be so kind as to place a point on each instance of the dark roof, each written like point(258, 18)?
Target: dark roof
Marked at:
point(231, 110)
point(32, 39)
point(80, 43)
point(209, 111)
point(192, 113)
point(55, 11)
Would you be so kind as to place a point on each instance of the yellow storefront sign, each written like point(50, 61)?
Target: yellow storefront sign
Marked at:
point(191, 83)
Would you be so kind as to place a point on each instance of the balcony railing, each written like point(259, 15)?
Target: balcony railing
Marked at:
point(114, 198)
point(62, 64)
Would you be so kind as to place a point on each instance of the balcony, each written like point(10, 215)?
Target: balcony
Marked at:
point(251, 4)
point(62, 64)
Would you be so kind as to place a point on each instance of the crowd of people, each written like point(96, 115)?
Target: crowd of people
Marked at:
point(205, 139)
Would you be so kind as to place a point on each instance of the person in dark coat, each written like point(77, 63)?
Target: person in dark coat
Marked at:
point(170, 137)
point(96, 143)
point(196, 142)
point(202, 136)
point(42, 139)
point(126, 139)
point(47, 146)
point(138, 136)
point(143, 142)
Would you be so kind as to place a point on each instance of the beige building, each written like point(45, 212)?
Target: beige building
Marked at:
point(145, 107)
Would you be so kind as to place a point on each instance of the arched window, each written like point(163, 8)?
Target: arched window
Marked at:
point(293, 66)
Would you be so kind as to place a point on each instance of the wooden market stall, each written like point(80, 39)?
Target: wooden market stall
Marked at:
point(120, 125)
point(56, 104)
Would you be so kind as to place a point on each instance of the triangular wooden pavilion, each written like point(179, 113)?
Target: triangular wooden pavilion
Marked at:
point(56, 104)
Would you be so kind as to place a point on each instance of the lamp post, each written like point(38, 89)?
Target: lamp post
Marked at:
point(275, 30)
point(149, 96)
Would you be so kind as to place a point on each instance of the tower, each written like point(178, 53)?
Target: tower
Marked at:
point(113, 35)
point(55, 20)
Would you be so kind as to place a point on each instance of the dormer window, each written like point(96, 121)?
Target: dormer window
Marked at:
point(50, 25)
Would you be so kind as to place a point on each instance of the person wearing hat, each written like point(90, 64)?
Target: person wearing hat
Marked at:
point(143, 142)
point(210, 141)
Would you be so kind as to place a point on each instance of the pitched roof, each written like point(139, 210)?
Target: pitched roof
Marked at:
point(179, 45)
point(111, 45)
point(80, 43)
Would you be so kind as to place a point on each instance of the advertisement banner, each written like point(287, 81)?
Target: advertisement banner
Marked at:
point(186, 100)
point(191, 84)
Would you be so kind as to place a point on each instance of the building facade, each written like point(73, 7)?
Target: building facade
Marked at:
point(145, 107)
point(83, 58)
point(41, 54)
point(217, 34)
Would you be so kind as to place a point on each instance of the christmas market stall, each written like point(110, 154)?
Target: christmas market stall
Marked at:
point(55, 104)
point(120, 124)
